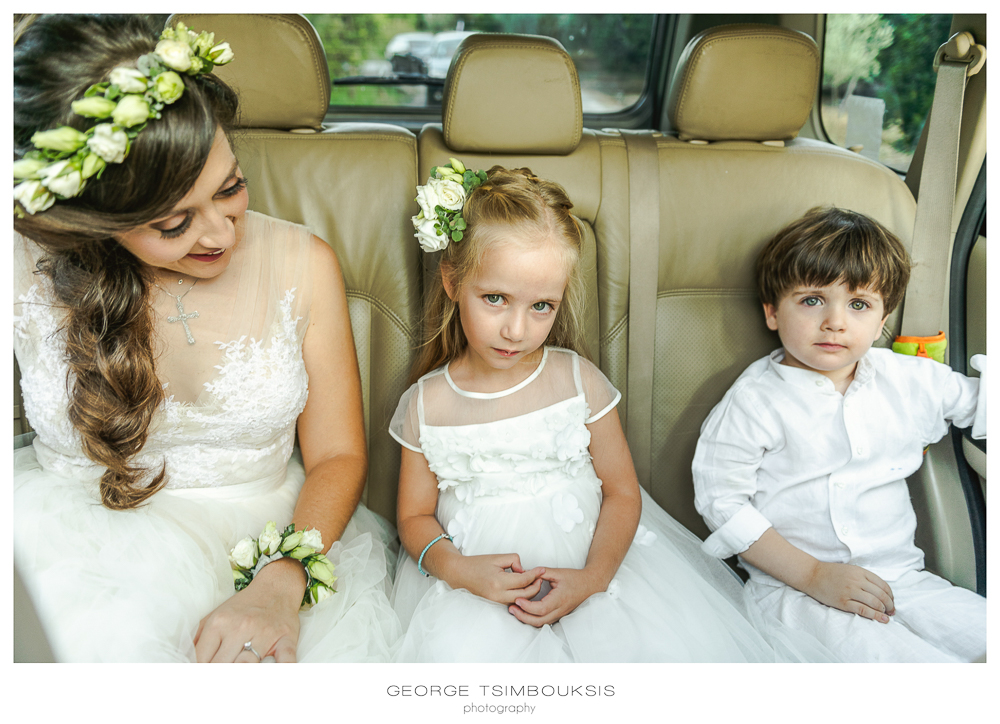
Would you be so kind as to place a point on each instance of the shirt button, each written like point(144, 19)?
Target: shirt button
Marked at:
point(843, 530)
point(819, 383)
point(859, 450)
point(838, 486)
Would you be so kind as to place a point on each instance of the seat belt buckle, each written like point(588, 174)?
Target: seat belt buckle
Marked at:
point(930, 347)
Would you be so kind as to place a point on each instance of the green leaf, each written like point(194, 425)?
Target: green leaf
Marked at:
point(456, 236)
point(482, 176)
point(459, 223)
point(96, 89)
point(433, 171)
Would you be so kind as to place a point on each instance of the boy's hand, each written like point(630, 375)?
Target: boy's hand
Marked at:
point(487, 576)
point(853, 589)
point(570, 588)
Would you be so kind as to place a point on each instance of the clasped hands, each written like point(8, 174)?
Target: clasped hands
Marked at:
point(501, 578)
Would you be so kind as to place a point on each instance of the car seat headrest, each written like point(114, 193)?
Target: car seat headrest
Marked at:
point(744, 82)
point(279, 70)
point(512, 94)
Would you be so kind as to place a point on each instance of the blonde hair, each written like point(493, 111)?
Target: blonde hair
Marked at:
point(831, 245)
point(511, 203)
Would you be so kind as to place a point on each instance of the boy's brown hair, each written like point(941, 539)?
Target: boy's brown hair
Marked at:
point(828, 246)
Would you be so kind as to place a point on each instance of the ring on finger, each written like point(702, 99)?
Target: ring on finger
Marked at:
point(248, 646)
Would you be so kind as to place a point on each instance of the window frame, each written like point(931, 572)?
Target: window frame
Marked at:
point(639, 115)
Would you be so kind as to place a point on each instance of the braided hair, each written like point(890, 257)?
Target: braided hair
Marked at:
point(113, 387)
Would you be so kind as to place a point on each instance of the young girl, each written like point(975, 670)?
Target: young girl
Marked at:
point(528, 536)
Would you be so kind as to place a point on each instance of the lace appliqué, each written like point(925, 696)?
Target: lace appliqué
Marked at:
point(257, 396)
point(244, 431)
point(44, 382)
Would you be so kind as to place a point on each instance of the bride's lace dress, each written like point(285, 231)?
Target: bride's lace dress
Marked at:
point(133, 585)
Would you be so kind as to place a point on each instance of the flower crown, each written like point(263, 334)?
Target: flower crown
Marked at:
point(441, 201)
point(64, 158)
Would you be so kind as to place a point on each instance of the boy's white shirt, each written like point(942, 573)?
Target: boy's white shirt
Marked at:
point(828, 471)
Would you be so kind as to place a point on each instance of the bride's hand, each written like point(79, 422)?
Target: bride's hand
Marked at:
point(265, 613)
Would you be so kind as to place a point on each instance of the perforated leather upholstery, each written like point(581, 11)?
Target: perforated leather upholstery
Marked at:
point(512, 94)
point(745, 82)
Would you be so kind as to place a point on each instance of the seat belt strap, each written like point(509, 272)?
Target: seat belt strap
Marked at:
point(644, 255)
point(924, 304)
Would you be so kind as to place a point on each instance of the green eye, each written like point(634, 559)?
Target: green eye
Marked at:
point(810, 301)
point(540, 306)
point(493, 298)
point(859, 306)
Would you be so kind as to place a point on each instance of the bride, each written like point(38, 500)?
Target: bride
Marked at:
point(171, 344)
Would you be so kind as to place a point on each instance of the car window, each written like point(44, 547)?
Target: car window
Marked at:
point(878, 81)
point(402, 60)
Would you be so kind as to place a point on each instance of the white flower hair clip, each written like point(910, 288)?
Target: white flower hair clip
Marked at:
point(64, 159)
point(441, 202)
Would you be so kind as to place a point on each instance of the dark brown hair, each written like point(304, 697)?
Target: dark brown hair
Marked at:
point(114, 390)
point(831, 245)
point(511, 204)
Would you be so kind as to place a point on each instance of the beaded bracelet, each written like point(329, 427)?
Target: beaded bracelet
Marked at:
point(420, 561)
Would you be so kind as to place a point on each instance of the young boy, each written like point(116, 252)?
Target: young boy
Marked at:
point(801, 469)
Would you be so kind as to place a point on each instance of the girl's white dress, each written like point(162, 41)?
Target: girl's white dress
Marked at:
point(515, 476)
point(133, 585)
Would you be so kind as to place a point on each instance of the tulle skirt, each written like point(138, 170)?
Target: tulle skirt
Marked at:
point(134, 585)
point(668, 602)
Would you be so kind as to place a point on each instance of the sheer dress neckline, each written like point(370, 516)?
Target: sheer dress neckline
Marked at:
point(502, 393)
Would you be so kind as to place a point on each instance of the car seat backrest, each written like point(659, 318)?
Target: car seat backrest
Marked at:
point(515, 94)
point(514, 100)
point(738, 98)
point(352, 184)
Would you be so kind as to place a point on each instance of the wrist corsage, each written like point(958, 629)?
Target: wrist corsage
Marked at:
point(250, 555)
point(441, 201)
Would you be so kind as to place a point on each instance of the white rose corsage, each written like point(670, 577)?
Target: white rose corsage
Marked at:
point(441, 201)
point(250, 555)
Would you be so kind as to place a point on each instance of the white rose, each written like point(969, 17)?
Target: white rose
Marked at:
point(312, 539)
point(33, 196)
point(244, 555)
point(322, 570)
point(318, 592)
point(428, 238)
point(427, 199)
point(221, 54)
point(28, 167)
point(174, 54)
point(450, 195)
point(292, 541)
point(269, 539)
point(63, 179)
point(131, 111)
point(129, 80)
point(109, 142)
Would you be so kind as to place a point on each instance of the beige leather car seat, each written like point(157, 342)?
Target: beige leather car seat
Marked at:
point(732, 177)
point(352, 184)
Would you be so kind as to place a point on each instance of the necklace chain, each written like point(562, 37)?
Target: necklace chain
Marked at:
point(181, 317)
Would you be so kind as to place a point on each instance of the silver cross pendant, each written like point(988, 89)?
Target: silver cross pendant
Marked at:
point(183, 318)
